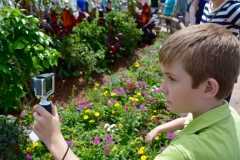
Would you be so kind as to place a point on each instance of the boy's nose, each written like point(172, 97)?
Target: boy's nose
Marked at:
point(163, 88)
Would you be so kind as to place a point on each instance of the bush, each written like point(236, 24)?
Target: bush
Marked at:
point(24, 51)
point(123, 22)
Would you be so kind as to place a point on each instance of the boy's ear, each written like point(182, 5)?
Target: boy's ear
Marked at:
point(211, 88)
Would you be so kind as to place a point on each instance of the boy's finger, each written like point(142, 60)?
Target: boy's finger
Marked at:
point(41, 111)
point(54, 111)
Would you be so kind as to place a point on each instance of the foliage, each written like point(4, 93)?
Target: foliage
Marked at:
point(11, 133)
point(123, 22)
point(84, 50)
point(24, 52)
point(111, 121)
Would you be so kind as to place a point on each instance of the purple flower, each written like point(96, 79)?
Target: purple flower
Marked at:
point(30, 127)
point(171, 135)
point(91, 138)
point(170, 119)
point(141, 83)
point(142, 107)
point(69, 143)
point(70, 135)
point(161, 149)
point(80, 106)
point(97, 141)
point(122, 69)
point(134, 103)
point(108, 136)
point(21, 114)
point(61, 119)
point(28, 157)
point(88, 105)
point(155, 74)
point(81, 102)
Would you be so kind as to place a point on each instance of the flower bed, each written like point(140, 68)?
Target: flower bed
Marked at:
point(111, 121)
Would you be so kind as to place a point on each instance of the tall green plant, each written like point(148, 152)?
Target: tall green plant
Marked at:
point(123, 22)
point(25, 51)
point(84, 50)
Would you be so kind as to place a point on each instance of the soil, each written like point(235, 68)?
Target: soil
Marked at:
point(64, 88)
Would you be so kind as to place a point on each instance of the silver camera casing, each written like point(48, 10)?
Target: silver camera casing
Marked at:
point(43, 85)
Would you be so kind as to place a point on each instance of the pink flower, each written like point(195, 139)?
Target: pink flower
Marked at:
point(126, 108)
point(28, 157)
point(106, 149)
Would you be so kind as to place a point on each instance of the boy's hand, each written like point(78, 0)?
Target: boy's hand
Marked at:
point(47, 126)
point(151, 135)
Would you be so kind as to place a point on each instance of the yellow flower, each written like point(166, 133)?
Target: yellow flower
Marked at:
point(137, 64)
point(96, 114)
point(29, 149)
point(154, 111)
point(120, 118)
point(85, 117)
point(131, 98)
point(50, 155)
point(117, 104)
point(143, 157)
point(94, 88)
point(156, 138)
point(30, 116)
point(35, 144)
point(153, 117)
point(38, 97)
point(113, 94)
point(91, 121)
point(136, 99)
point(74, 86)
point(139, 94)
point(142, 98)
point(120, 126)
point(114, 148)
point(97, 84)
point(105, 93)
point(113, 112)
point(87, 111)
point(141, 150)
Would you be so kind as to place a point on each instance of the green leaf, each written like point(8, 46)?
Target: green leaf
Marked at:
point(35, 61)
point(45, 64)
point(19, 44)
point(11, 47)
point(4, 68)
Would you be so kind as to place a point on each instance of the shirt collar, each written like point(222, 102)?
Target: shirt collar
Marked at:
point(207, 119)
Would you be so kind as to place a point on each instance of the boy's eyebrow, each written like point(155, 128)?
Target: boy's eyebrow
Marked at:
point(168, 73)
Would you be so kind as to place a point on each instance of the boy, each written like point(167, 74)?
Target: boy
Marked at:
point(197, 77)
point(193, 60)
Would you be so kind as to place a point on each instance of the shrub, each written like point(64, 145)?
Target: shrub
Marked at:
point(123, 22)
point(24, 51)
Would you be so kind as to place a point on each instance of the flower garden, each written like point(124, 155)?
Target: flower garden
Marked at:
point(106, 122)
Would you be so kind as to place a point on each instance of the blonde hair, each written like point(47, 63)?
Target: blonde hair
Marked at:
point(205, 51)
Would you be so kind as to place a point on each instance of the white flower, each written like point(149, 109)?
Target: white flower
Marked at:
point(106, 125)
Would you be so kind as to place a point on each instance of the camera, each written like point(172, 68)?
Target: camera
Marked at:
point(43, 86)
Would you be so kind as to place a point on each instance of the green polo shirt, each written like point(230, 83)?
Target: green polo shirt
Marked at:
point(214, 135)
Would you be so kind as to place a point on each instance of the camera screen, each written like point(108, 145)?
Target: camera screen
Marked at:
point(48, 84)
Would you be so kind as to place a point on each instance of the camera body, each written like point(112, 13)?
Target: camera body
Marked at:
point(43, 85)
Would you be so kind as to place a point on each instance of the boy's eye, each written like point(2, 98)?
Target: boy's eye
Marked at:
point(171, 78)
